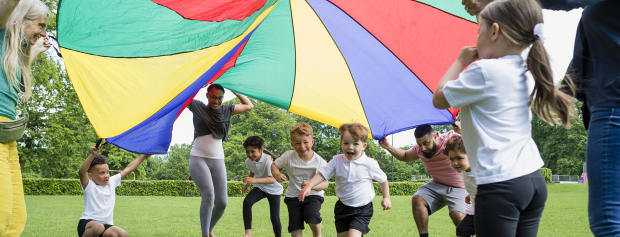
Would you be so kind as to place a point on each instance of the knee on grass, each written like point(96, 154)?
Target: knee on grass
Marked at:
point(93, 228)
point(115, 232)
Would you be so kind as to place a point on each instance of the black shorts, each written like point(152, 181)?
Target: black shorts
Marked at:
point(466, 227)
point(308, 211)
point(512, 207)
point(82, 226)
point(347, 217)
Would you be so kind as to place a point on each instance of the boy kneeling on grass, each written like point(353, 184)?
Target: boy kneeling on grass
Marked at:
point(100, 194)
point(354, 172)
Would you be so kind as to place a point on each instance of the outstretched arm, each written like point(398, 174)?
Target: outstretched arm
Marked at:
point(252, 180)
point(318, 178)
point(385, 189)
point(276, 173)
point(319, 187)
point(133, 165)
point(6, 8)
point(246, 104)
point(400, 154)
point(83, 172)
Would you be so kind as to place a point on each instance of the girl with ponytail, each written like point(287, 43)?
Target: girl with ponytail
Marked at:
point(265, 186)
point(495, 96)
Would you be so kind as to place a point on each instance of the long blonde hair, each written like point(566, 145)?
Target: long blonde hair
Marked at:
point(517, 19)
point(17, 46)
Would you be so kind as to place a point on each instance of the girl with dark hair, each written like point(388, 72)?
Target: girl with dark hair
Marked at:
point(265, 186)
point(206, 162)
point(495, 97)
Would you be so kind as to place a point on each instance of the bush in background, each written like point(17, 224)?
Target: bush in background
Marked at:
point(179, 188)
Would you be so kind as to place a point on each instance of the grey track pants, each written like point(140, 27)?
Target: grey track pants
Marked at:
point(210, 177)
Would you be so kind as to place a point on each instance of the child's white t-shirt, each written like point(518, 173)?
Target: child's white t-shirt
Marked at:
point(354, 178)
point(298, 171)
point(496, 118)
point(262, 169)
point(99, 200)
point(470, 185)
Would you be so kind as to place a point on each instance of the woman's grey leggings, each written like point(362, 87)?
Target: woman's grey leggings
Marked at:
point(210, 177)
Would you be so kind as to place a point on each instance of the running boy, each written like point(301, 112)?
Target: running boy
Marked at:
point(455, 150)
point(354, 172)
point(265, 186)
point(100, 195)
point(301, 165)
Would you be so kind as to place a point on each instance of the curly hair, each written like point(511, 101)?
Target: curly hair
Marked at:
point(454, 143)
point(98, 160)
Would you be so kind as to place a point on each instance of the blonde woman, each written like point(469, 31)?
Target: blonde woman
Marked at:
point(22, 39)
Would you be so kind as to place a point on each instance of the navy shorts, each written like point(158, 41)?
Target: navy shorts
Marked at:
point(348, 217)
point(308, 211)
point(82, 226)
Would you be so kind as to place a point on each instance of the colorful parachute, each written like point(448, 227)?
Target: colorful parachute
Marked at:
point(135, 63)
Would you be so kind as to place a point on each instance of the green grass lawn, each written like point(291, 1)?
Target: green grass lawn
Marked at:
point(564, 215)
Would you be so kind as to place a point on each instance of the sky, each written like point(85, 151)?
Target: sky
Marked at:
point(559, 31)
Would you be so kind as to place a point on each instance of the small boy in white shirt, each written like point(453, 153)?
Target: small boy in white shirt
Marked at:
point(354, 172)
point(100, 195)
point(455, 150)
point(301, 165)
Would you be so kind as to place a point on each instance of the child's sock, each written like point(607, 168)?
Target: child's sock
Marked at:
point(424, 235)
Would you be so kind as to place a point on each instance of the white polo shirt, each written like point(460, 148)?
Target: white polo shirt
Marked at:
point(262, 169)
point(496, 118)
point(472, 189)
point(298, 171)
point(99, 200)
point(354, 178)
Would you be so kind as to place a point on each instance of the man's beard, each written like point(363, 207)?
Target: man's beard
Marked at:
point(430, 153)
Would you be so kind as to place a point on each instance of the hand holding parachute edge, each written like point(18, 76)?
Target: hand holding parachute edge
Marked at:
point(97, 145)
point(384, 143)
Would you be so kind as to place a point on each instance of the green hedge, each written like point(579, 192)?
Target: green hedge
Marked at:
point(178, 188)
point(546, 173)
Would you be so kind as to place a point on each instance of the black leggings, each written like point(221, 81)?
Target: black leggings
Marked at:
point(274, 209)
point(512, 207)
